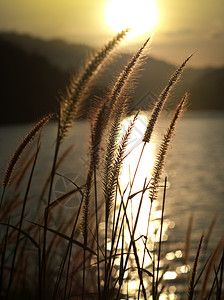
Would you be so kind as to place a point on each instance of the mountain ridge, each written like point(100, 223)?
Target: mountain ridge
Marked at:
point(58, 58)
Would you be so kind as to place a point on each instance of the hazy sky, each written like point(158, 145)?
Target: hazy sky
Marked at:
point(183, 26)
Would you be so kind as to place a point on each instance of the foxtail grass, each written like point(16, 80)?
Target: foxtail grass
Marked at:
point(157, 171)
point(162, 99)
point(71, 102)
point(21, 148)
point(7, 177)
point(91, 251)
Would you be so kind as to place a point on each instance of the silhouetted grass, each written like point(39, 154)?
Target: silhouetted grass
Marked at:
point(92, 250)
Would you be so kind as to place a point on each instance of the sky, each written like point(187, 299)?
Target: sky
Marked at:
point(182, 27)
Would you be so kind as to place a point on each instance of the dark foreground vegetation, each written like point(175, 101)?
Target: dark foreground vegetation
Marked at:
point(93, 250)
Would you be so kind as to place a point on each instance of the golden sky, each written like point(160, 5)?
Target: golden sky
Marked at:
point(182, 27)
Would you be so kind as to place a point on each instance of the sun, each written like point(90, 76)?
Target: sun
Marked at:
point(138, 15)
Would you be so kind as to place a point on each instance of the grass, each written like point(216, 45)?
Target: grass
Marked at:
point(95, 250)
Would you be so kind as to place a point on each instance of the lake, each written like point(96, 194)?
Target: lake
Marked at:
point(194, 168)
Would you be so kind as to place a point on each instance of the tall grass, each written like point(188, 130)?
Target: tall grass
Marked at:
point(93, 251)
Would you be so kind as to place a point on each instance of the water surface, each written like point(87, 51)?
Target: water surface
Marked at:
point(194, 168)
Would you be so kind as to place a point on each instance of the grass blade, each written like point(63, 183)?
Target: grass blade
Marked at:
point(194, 271)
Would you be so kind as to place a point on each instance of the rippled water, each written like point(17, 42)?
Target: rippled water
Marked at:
point(195, 171)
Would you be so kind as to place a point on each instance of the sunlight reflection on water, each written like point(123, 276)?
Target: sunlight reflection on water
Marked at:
point(148, 224)
point(144, 171)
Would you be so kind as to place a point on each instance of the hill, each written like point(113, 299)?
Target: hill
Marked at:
point(29, 85)
point(208, 90)
point(59, 53)
point(35, 70)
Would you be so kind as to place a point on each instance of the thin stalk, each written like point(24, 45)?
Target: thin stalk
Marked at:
point(221, 277)
point(132, 242)
point(3, 258)
point(136, 169)
point(194, 272)
point(21, 221)
point(199, 276)
point(220, 266)
point(84, 273)
point(60, 160)
point(136, 256)
point(113, 165)
point(85, 220)
point(160, 237)
point(131, 184)
point(97, 233)
point(44, 262)
point(116, 228)
point(2, 197)
point(110, 266)
point(66, 253)
point(114, 222)
point(20, 175)
point(120, 279)
point(70, 287)
point(114, 231)
point(153, 272)
point(122, 255)
point(145, 243)
point(67, 273)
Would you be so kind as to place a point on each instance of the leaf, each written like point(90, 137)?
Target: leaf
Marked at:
point(147, 272)
point(66, 238)
point(24, 233)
